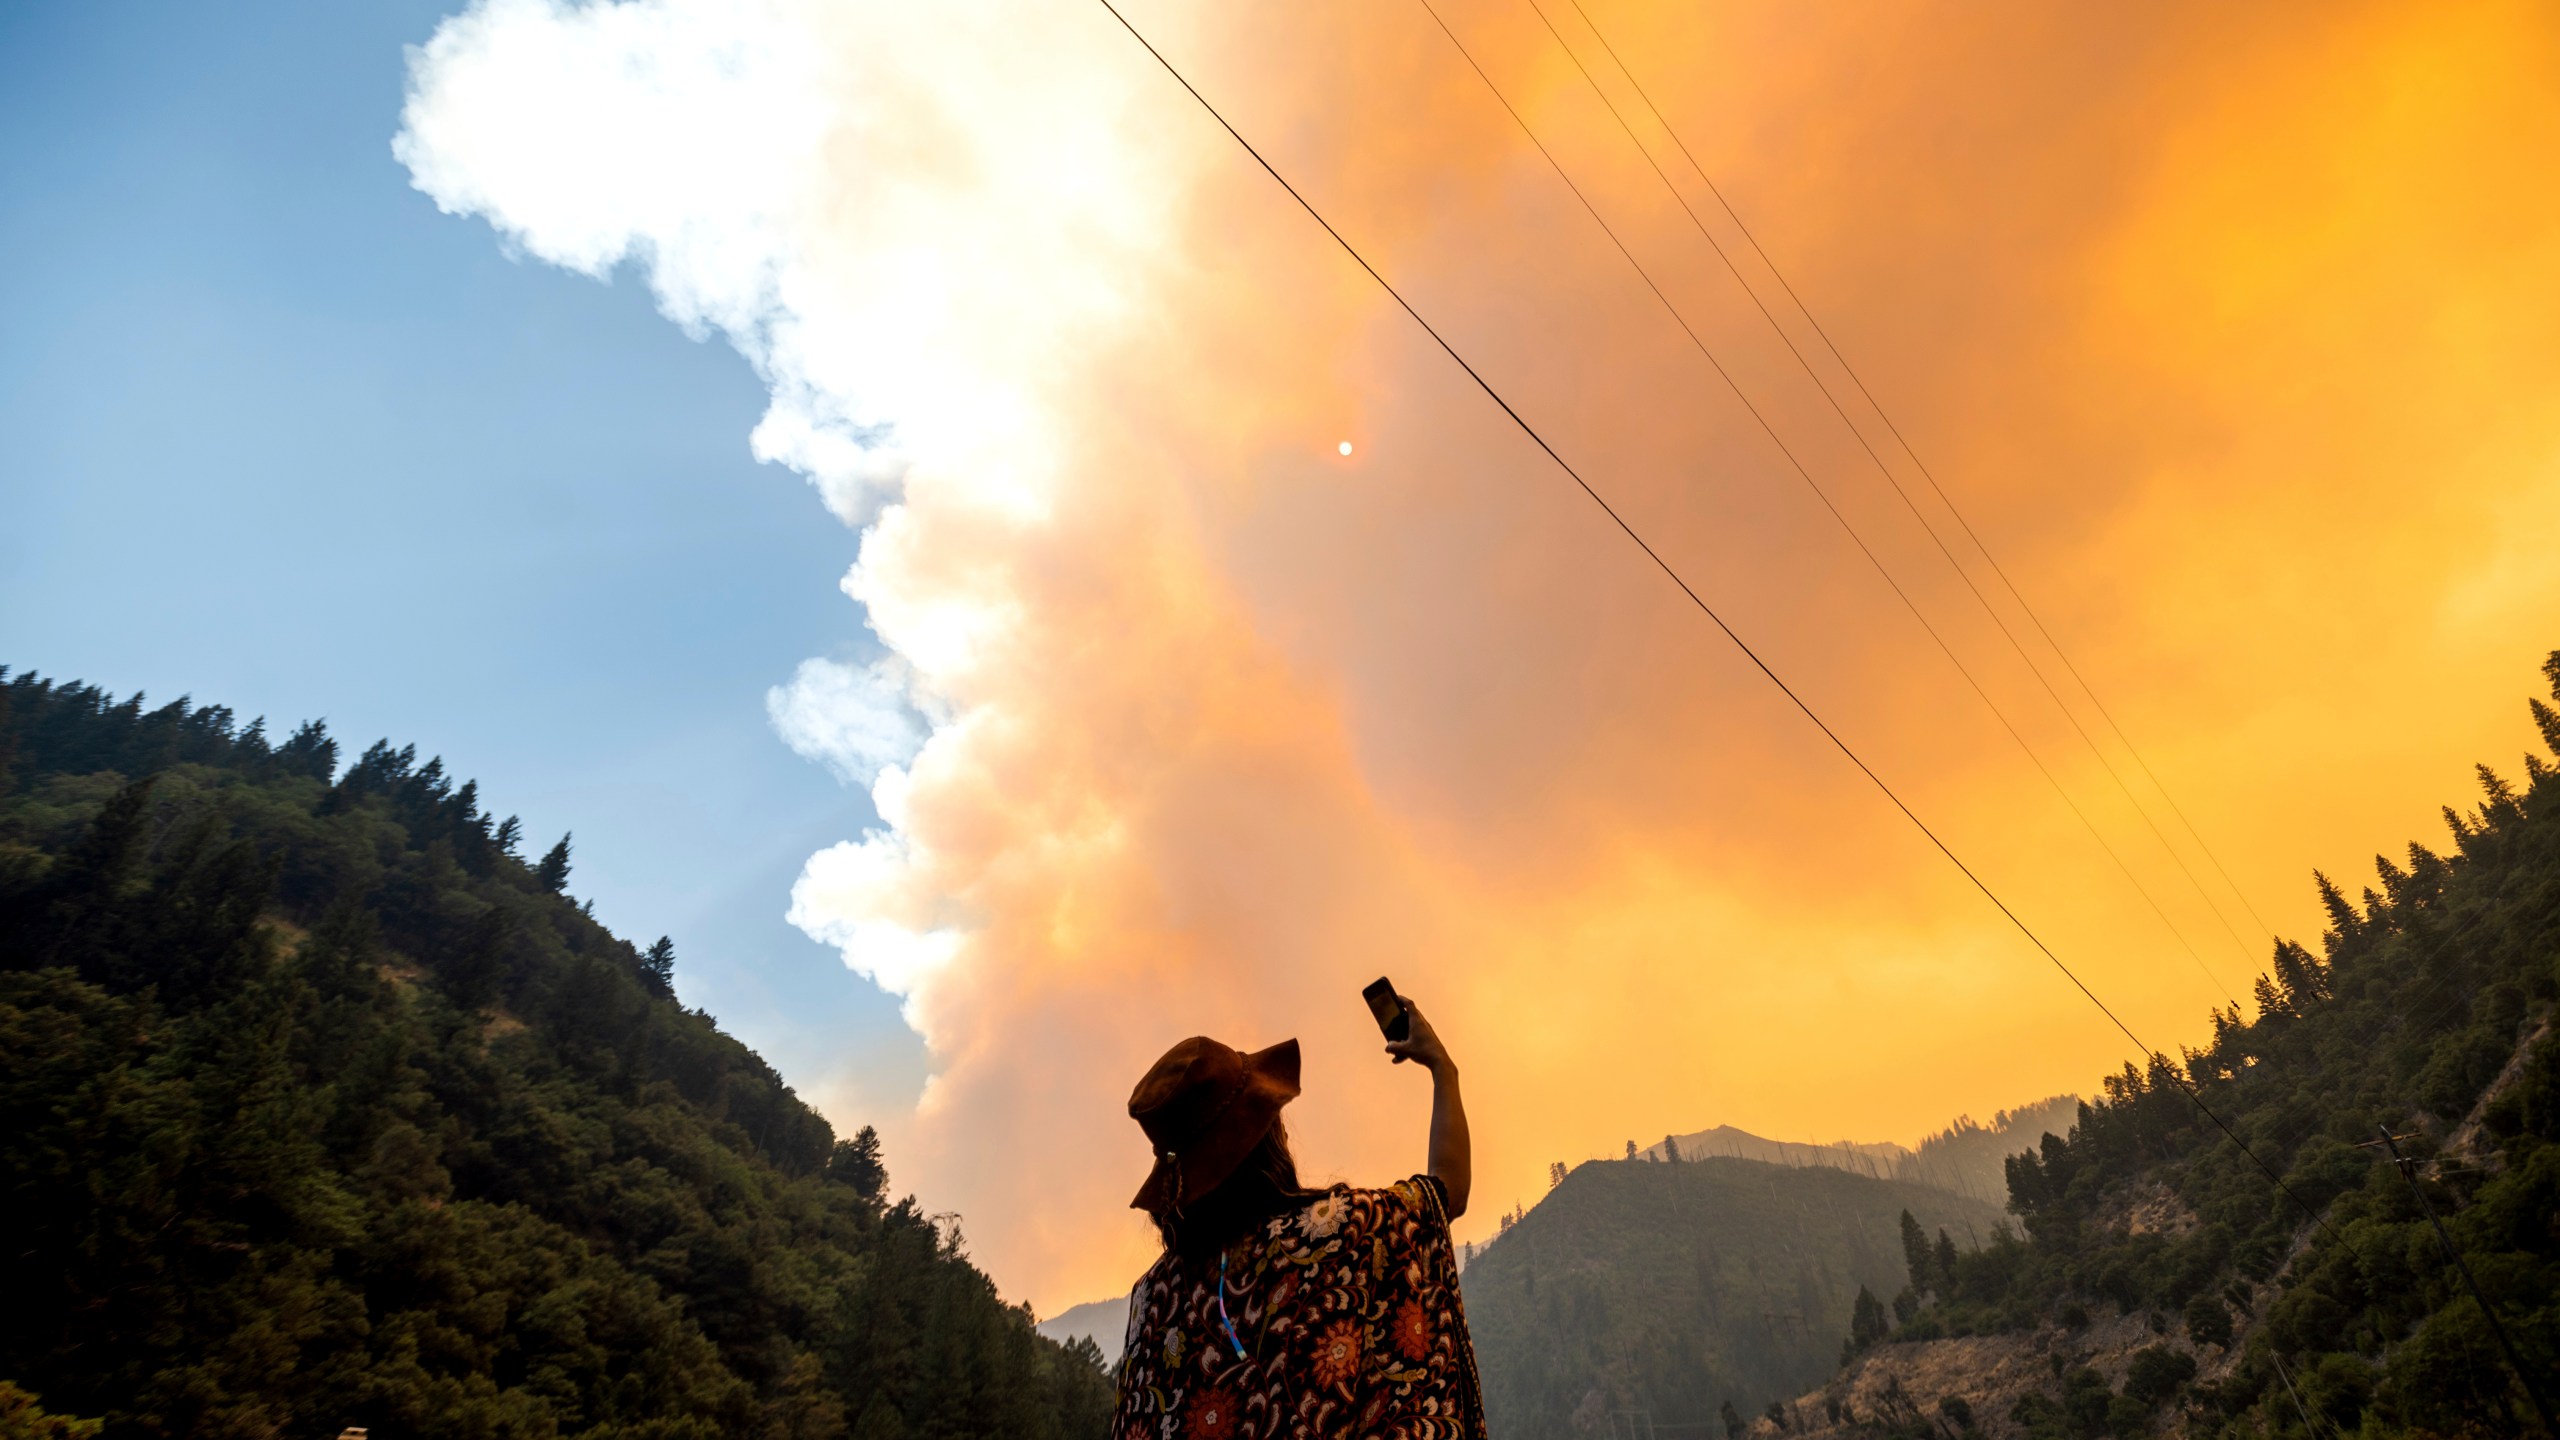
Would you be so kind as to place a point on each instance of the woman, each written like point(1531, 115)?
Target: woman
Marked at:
point(1280, 1311)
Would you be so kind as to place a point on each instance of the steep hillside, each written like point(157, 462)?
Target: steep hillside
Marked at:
point(1678, 1289)
point(321, 1105)
point(2165, 1280)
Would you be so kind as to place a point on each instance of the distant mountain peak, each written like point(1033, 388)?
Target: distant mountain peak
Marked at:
point(1965, 1157)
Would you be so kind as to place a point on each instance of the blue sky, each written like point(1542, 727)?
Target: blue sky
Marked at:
point(276, 433)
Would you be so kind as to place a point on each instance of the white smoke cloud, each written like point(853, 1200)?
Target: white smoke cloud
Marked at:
point(1208, 723)
point(853, 719)
point(839, 191)
point(952, 240)
point(899, 215)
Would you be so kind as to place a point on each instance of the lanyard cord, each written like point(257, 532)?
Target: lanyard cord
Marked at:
point(1222, 1308)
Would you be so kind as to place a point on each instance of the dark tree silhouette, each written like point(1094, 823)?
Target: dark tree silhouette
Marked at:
point(856, 1164)
point(1917, 1257)
point(313, 1116)
point(552, 871)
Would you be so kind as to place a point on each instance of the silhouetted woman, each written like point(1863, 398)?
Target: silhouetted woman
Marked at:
point(1280, 1311)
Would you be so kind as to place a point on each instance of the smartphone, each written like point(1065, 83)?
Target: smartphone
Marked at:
point(1394, 1021)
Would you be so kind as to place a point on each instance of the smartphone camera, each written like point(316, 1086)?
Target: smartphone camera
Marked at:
point(1394, 1020)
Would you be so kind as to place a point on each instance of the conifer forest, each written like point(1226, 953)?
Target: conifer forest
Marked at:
point(323, 1104)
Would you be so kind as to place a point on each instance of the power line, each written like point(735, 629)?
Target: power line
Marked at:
point(1674, 576)
point(1887, 471)
point(2298, 1407)
point(1836, 513)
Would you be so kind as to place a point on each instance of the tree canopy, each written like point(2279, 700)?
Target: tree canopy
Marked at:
point(321, 1107)
point(2427, 1010)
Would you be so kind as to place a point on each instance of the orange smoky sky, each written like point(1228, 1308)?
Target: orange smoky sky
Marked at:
point(2234, 331)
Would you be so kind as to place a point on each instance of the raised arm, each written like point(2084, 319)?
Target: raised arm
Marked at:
point(1452, 1158)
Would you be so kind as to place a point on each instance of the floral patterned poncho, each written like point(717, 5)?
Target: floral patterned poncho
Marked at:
point(1347, 1316)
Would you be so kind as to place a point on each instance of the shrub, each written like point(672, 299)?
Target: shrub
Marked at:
point(2208, 1321)
point(2156, 1373)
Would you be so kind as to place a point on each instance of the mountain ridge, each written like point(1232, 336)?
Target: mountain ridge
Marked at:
point(1105, 1321)
point(1966, 1156)
point(1673, 1289)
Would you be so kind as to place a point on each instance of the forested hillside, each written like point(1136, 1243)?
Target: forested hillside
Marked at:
point(2323, 1302)
point(322, 1104)
point(1681, 1289)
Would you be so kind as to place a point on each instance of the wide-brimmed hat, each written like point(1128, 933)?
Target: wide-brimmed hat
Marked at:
point(1204, 1107)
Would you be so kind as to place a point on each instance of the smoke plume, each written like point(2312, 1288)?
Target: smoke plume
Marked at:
point(2233, 332)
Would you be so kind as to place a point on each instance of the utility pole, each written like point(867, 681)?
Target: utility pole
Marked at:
point(2409, 1171)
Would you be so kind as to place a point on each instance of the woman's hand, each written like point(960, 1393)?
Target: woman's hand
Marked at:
point(1421, 1044)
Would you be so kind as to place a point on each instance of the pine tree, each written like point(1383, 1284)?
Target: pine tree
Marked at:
point(1671, 1149)
point(2301, 979)
point(2346, 927)
point(508, 836)
point(1916, 1254)
point(2501, 813)
point(1867, 1324)
point(2548, 722)
point(2270, 999)
point(1631, 1149)
point(659, 966)
point(309, 752)
point(552, 873)
point(857, 1164)
point(1946, 1258)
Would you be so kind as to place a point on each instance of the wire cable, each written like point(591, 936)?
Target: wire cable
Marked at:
point(1887, 471)
point(1673, 575)
point(2438, 996)
point(1828, 504)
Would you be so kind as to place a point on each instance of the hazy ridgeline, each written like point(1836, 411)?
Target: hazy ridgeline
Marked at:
point(321, 1104)
point(1966, 1157)
point(1676, 1288)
